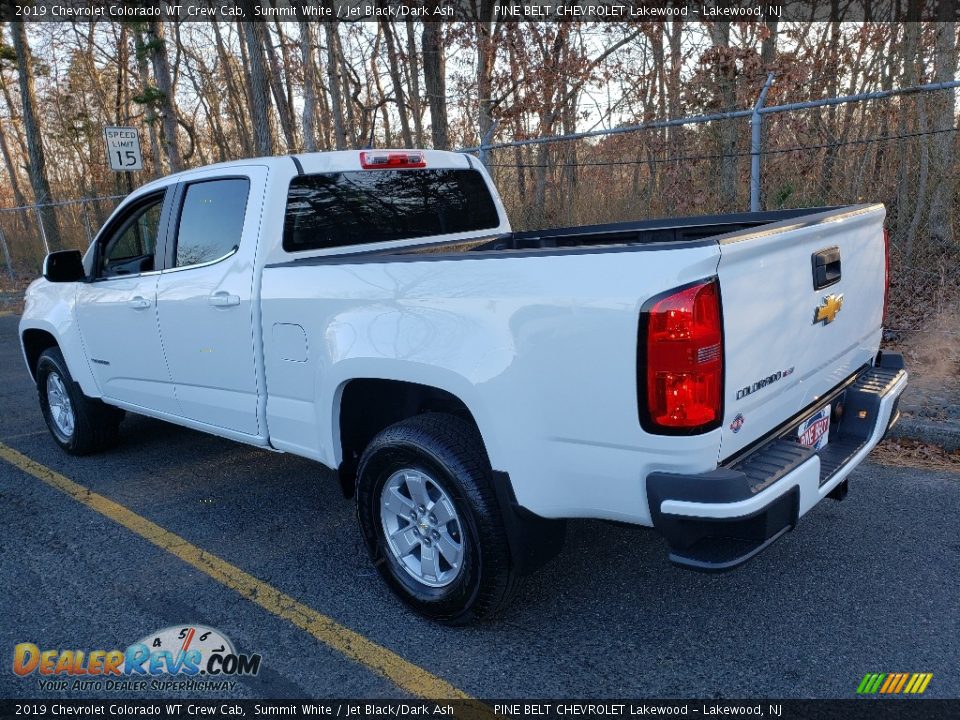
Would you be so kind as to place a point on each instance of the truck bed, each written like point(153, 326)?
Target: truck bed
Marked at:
point(642, 232)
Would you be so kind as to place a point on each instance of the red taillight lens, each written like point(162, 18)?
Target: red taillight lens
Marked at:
point(391, 160)
point(886, 275)
point(682, 361)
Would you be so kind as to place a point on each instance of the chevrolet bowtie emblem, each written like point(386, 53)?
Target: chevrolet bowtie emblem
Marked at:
point(829, 308)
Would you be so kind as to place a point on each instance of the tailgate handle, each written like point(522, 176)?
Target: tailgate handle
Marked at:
point(826, 267)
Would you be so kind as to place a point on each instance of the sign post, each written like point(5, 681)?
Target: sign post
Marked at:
point(123, 148)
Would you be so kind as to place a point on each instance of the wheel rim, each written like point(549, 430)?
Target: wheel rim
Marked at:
point(422, 528)
point(61, 409)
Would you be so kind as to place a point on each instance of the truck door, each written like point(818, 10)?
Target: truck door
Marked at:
point(206, 299)
point(117, 311)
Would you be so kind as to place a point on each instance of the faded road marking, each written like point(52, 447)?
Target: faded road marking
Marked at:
point(405, 675)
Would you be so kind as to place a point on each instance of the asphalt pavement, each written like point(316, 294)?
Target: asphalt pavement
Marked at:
point(869, 584)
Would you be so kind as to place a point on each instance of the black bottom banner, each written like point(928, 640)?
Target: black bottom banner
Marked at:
point(867, 709)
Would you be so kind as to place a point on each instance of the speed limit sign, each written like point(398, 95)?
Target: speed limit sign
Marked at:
point(123, 148)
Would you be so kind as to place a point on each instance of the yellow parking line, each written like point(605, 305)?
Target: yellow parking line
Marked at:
point(405, 675)
point(5, 313)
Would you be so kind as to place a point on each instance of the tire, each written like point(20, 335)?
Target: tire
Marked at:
point(78, 424)
point(445, 455)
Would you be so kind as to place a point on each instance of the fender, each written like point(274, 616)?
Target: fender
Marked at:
point(50, 308)
point(331, 386)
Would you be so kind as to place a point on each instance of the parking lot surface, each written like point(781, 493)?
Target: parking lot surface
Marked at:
point(866, 585)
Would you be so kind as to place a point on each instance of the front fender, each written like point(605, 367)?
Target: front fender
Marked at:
point(49, 308)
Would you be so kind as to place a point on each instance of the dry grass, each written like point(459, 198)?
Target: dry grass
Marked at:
point(900, 452)
point(11, 292)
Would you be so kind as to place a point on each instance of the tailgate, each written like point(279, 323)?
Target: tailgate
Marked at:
point(787, 342)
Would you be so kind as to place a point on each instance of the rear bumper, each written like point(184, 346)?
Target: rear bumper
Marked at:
point(718, 520)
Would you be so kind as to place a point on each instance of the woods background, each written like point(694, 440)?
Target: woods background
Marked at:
point(204, 92)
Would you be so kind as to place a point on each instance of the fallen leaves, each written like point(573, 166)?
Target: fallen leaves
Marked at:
point(900, 452)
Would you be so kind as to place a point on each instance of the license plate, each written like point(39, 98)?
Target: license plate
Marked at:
point(814, 432)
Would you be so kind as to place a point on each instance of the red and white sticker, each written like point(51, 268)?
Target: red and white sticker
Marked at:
point(814, 432)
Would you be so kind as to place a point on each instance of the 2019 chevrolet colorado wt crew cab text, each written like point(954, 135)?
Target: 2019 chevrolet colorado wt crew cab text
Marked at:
point(711, 377)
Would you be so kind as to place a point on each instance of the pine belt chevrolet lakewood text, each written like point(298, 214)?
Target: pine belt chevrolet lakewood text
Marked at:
point(711, 377)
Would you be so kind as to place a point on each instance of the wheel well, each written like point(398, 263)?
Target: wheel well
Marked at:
point(34, 343)
point(368, 406)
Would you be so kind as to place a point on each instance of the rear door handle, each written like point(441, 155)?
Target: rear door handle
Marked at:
point(139, 302)
point(223, 299)
point(826, 267)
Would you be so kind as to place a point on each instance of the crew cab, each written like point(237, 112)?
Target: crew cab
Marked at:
point(711, 377)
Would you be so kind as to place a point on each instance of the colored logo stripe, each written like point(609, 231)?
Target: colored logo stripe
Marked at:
point(894, 683)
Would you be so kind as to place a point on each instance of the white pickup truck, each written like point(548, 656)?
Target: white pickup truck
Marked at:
point(711, 377)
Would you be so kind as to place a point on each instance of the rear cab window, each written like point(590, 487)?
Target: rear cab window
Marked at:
point(339, 209)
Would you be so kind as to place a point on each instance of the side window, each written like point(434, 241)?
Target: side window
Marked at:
point(130, 250)
point(211, 221)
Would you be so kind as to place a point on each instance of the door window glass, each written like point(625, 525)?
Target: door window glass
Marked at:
point(131, 250)
point(211, 221)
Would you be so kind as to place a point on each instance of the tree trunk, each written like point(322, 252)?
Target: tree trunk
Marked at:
point(486, 58)
point(413, 82)
point(18, 197)
point(309, 87)
point(235, 95)
point(768, 58)
point(151, 118)
point(397, 79)
point(333, 82)
point(37, 168)
point(434, 76)
point(259, 88)
point(906, 178)
point(275, 78)
point(726, 77)
point(944, 104)
point(168, 105)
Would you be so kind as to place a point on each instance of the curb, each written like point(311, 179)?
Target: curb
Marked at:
point(945, 433)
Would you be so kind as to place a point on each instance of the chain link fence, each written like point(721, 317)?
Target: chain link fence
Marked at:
point(887, 149)
point(28, 233)
point(890, 150)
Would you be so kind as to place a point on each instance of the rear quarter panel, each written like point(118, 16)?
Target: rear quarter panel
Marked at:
point(541, 348)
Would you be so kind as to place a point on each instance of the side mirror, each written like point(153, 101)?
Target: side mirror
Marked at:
point(64, 266)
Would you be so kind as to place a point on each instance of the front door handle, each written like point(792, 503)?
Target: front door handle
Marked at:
point(139, 303)
point(223, 299)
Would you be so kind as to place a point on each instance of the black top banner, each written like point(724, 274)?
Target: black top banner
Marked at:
point(467, 10)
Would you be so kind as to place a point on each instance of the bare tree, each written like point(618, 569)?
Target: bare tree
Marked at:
point(333, 82)
point(413, 82)
point(7, 54)
point(259, 90)
point(397, 79)
point(146, 99)
point(309, 87)
point(434, 77)
point(37, 167)
point(157, 47)
point(275, 78)
point(486, 59)
point(726, 67)
point(944, 69)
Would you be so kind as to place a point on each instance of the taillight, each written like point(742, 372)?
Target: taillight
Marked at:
point(886, 275)
point(680, 378)
point(391, 160)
